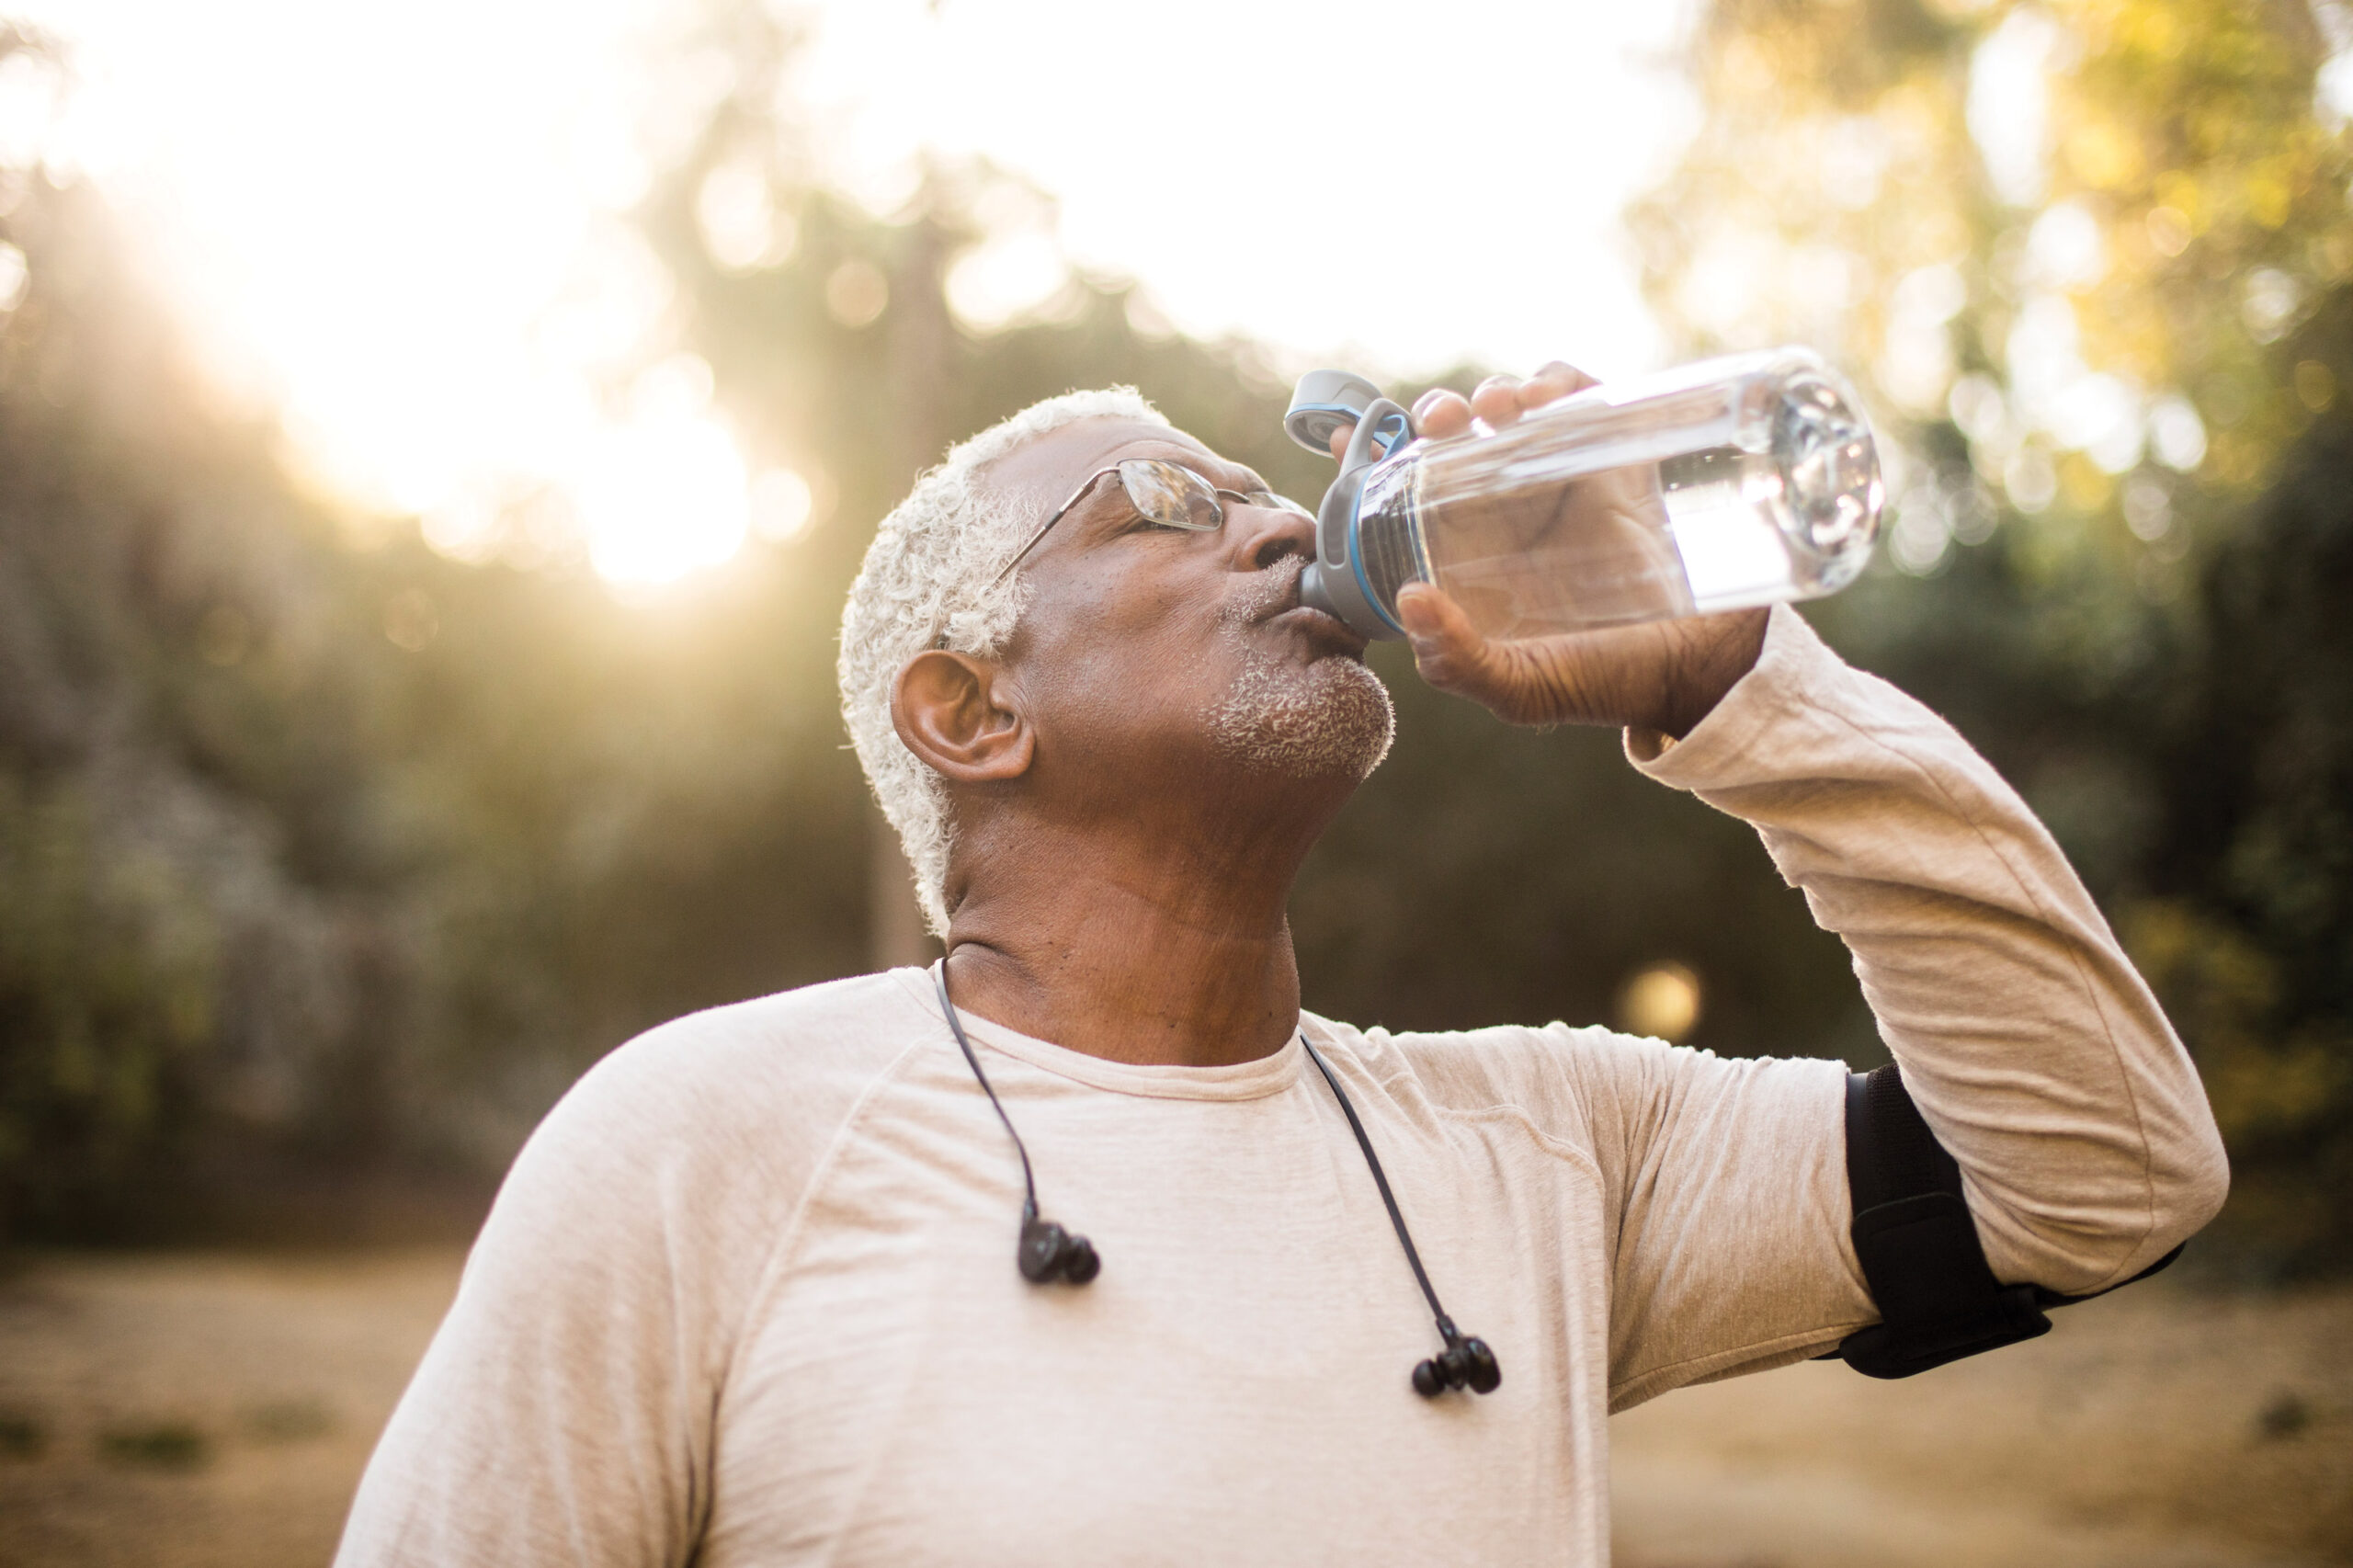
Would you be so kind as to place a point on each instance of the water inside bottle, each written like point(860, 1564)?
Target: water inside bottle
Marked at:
point(1595, 553)
point(1604, 516)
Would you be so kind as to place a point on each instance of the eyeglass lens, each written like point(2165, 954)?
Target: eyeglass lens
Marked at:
point(1175, 496)
point(1171, 495)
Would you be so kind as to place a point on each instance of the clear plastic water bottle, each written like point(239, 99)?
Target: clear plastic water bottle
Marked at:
point(1723, 485)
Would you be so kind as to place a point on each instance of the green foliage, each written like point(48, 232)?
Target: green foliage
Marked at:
point(22, 1437)
point(105, 989)
point(318, 851)
point(159, 1444)
point(2112, 354)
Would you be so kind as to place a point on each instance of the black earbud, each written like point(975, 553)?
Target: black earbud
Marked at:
point(1049, 1252)
point(1046, 1252)
point(1464, 1363)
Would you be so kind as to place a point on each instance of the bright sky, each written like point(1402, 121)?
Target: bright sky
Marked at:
point(401, 226)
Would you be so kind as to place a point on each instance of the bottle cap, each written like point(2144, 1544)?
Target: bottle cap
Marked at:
point(1325, 401)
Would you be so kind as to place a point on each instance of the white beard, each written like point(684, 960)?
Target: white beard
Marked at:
point(1331, 718)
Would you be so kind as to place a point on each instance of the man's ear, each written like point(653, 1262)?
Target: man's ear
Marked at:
point(946, 707)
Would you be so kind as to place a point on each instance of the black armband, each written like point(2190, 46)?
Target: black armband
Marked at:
point(1937, 1298)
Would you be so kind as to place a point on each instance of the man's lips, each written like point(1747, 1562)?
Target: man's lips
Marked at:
point(1319, 625)
point(1275, 601)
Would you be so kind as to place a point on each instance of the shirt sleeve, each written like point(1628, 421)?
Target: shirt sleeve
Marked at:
point(563, 1413)
point(2032, 1047)
point(1727, 1177)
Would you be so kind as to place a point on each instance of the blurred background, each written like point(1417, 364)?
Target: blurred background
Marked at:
point(435, 444)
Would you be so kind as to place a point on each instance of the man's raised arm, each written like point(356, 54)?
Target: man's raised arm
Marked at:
point(2033, 1049)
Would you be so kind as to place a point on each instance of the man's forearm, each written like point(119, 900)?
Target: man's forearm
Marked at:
point(2031, 1045)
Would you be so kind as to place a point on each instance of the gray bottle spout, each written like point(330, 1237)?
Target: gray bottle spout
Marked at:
point(1311, 592)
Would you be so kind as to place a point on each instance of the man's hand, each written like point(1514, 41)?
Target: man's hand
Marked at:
point(1663, 675)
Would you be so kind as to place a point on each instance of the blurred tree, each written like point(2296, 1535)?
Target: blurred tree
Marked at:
point(319, 852)
point(2091, 260)
point(171, 772)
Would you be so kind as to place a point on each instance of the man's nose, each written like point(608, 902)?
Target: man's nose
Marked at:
point(1265, 535)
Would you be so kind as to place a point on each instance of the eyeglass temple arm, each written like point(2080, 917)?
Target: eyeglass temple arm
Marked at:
point(1046, 526)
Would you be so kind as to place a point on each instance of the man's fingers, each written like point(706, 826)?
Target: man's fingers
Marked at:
point(1448, 652)
point(1433, 622)
point(1539, 390)
point(1439, 413)
point(1554, 381)
point(1496, 401)
point(1562, 371)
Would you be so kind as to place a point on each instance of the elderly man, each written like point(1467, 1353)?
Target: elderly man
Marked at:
point(750, 1295)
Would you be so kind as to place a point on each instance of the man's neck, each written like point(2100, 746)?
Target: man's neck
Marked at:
point(1161, 948)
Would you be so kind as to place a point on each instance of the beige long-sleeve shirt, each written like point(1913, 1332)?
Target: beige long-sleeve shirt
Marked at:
point(748, 1296)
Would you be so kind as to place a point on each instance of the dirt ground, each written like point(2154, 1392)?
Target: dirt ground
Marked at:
point(193, 1411)
point(2158, 1429)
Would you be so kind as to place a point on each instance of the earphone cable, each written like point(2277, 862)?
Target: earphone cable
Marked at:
point(1445, 1328)
point(1029, 1182)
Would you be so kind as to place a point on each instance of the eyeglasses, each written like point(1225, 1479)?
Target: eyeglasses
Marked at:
point(1164, 493)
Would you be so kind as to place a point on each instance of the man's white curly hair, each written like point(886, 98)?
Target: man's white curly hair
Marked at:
point(928, 575)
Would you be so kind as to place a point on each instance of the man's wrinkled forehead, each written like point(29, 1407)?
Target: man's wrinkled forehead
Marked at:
point(1040, 474)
